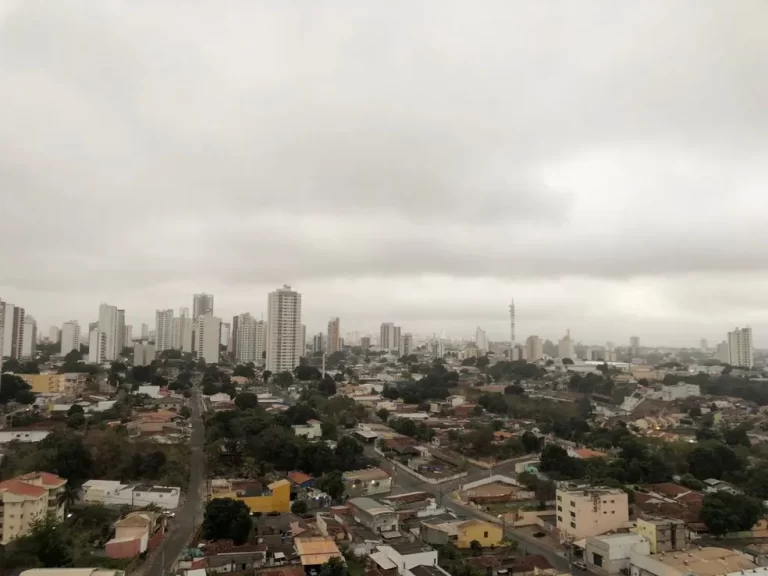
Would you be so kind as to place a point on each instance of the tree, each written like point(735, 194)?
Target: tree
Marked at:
point(567, 362)
point(283, 379)
point(723, 512)
point(482, 362)
point(266, 376)
point(334, 567)
point(737, 437)
point(14, 388)
point(694, 412)
point(246, 401)
point(348, 453)
point(69, 496)
point(227, 518)
point(306, 372)
point(332, 484)
point(712, 459)
point(327, 386)
point(76, 420)
point(531, 442)
point(299, 507)
point(476, 547)
point(383, 414)
point(245, 370)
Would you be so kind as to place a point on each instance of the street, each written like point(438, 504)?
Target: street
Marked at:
point(191, 513)
point(404, 482)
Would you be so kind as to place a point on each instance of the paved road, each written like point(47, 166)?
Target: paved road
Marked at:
point(191, 514)
point(404, 482)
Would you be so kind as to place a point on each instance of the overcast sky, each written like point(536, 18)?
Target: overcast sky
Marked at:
point(602, 162)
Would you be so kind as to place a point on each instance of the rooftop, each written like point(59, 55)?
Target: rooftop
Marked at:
point(370, 505)
point(427, 571)
point(317, 550)
point(592, 490)
point(708, 561)
point(367, 474)
point(411, 548)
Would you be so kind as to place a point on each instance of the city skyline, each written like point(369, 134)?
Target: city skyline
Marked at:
point(428, 206)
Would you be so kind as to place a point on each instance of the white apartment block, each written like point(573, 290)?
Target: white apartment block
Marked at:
point(54, 334)
point(163, 330)
point(334, 335)
point(208, 336)
point(108, 326)
point(144, 331)
point(97, 347)
point(143, 353)
point(29, 341)
point(128, 336)
point(740, 351)
point(406, 344)
point(534, 349)
point(12, 327)
point(481, 340)
point(387, 336)
point(120, 331)
point(250, 339)
point(565, 346)
point(284, 330)
point(70, 337)
point(202, 304)
point(181, 331)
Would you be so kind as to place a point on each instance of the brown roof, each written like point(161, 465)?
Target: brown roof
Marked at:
point(484, 562)
point(528, 563)
point(16, 486)
point(669, 489)
point(317, 550)
point(46, 478)
point(294, 570)
point(299, 477)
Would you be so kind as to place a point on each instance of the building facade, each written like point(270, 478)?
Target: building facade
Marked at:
point(740, 351)
point(406, 344)
point(249, 341)
point(534, 349)
point(143, 353)
point(333, 342)
point(26, 499)
point(163, 330)
point(284, 330)
point(29, 342)
point(70, 337)
point(108, 327)
point(590, 512)
point(208, 336)
point(387, 336)
point(202, 304)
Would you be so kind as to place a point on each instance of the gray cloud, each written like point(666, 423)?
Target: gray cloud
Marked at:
point(144, 144)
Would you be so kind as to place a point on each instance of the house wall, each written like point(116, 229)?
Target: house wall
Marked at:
point(435, 537)
point(581, 514)
point(19, 512)
point(127, 549)
point(609, 556)
point(278, 501)
point(486, 534)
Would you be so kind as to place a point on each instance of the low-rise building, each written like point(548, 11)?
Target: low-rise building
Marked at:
point(485, 533)
point(115, 493)
point(22, 435)
point(311, 430)
point(275, 498)
point(663, 534)
point(314, 552)
point(409, 555)
point(591, 511)
point(373, 515)
point(368, 482)
point(27, 498)
point(701, 561)
point(135, 534)
point(609, 555)
point(679, 391)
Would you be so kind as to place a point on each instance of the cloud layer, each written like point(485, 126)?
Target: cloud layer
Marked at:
point(438, 157)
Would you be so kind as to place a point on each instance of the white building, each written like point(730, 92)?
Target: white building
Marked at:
point(722, 353)
point(679, 391)
point(97, 347)
point(310, 430)
point(29, 341)
point(108, 327)
point(481, 340)
point(226, 333)
point(163, 330)
point(406, 344)
point(409, 555)
point(181, 329)
point(19, 435)
point(143, 353)
point(396, 344)
point(202, 304)
point(120, 331)
point(144, 331)
point(387, 336)
point(334, 336)
point(54, 334)
point(128, 336)
point(740, 351)
point(208, 336)
point(565, 346)
point(70, 337)
point(609, 555)
point(534, 349)
point(250, 339)
point(318, 342)
point(702, 561)
point(114, 493)
point(284, 333)
point(12, 328)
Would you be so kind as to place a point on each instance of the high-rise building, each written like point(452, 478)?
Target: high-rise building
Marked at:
point(722, 353)
point(208, 336)
point(163, 330)
point(365, 342)
point(334, 335)
point(634, 346)
point(512, 326)
point(481, 340)
point(396, 336)
point(120, 331)
point(128, 336)
point(144, 331)
point(97, 347)
point(226, 328)
point(181, 331)
point(406, 344)
point(143, 353)
point(703, 345)
point(29, 342)
point(70, 337)
point(108, 326)
point(202, 304)
point(534, 349)
point(54, 334)
point(303, 341)
point(318, 342)
point(437, 347)
point(387, 336)
point(740, 351)
point(565, 346)
point(284, 332)
point(250, 339)
point(12, 323)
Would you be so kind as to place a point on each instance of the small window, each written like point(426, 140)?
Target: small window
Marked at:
point(573, 524)
point(573, 514)
point(559, 508)
point(485, 534)
point(613, 501)
point(559, 498)
point(573, 503)
point(559, 518)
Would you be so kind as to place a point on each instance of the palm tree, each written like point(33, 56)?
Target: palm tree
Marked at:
point(68, 496)
point(250, 468)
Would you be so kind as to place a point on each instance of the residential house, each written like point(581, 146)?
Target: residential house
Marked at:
point(316, 551)
point(486, 533)
point(276, 498)
point(609, 555)
point(373, 515)
point(301, 479)
point(663, 534)
point(115, 493)
point(408, 555)
point(311, 430)
point(135, 534)
point(702, 561)
point(170, 402)
point(368, 482)
point(22, 435)
point(27, 498)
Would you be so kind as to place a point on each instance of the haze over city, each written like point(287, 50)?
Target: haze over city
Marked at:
point(420, 163)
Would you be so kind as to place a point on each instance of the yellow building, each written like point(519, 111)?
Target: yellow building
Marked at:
point(277, 498)
point(27, 498)
point(72, 383)
point(663, 534)
point(486, 533)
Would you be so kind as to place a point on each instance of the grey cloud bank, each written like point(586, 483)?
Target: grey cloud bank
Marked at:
point(602, 162)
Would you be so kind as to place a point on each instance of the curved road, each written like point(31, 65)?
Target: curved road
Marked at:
point(191, 514)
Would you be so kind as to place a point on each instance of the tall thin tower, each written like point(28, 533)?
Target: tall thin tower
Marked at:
point(511, 328)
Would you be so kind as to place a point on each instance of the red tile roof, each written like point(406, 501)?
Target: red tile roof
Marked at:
point(20, 488)
point(48, 479)
point(299, 477)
